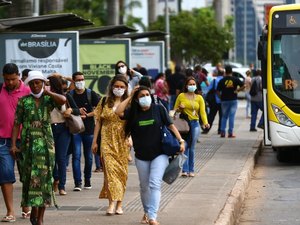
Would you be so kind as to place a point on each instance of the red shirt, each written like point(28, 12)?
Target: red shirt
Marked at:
point(8, 103)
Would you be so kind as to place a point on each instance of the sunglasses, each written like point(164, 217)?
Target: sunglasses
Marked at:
point(121, 66)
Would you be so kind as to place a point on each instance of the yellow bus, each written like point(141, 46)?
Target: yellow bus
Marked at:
point(279, 52)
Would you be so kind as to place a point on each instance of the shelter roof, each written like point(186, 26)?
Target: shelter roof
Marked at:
point(105, 31)
point(43, 23)
point(4, 2)
point(146, 34)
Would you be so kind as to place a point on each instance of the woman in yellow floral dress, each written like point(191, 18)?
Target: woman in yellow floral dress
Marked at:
point(114, 146)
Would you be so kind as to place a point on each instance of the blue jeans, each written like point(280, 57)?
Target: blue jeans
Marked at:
point(62, 138)
point(228, 113)
point(150, 176)
point(188, 166)
point(255, 106)
point(7, 163)
point(86, 141)
point(97, 161)
point(172, 101)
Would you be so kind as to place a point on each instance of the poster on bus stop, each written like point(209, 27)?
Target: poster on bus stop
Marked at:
point(149, 55)
point(48, 52)
point(98, 59)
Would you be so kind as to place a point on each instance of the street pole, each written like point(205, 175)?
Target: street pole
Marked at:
point(168, 47)
point(36, 8)
point(245, 32)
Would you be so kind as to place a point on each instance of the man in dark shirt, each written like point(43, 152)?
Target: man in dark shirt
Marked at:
point(86, 101)
point(176, 83)
point(227, 89)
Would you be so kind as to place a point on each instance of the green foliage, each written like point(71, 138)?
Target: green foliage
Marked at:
point(197, 36)
point(93, 10)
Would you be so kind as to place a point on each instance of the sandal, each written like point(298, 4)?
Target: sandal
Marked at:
point(9, 218)
point(145, 219)
point(26, 215)
point(153, 222)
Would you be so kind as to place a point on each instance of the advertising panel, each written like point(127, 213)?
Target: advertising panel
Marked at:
point(98, 59)
point(48, 52)
point(149, 55)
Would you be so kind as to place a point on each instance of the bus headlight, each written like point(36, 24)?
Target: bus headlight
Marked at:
point(282, 117)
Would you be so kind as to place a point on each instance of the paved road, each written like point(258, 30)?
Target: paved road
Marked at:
point(273, 194)
point(222, 173)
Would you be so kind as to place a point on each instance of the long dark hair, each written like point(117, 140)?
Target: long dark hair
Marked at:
point(56, 84)
point(185, 90)
point(134, 108)
point(110, 95)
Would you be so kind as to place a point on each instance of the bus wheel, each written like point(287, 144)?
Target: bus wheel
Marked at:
point(282, 155)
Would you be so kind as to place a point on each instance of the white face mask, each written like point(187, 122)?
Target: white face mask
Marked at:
point(118, 92)
point(191, 88)
point(145, 101)
point(123, 70)
point(39, 94)
point(80, 84)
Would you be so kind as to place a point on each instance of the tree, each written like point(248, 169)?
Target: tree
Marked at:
point(113, 10)
point(196, 36)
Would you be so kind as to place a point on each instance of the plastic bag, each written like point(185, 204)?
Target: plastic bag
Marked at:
point(173, 169)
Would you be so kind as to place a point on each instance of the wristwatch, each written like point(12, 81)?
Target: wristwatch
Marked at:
point(181, 141)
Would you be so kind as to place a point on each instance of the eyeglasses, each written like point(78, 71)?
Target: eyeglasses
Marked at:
point(117, 86)
point(121, 66)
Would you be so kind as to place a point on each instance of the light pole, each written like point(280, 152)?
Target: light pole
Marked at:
point(168, 47)
point(245, 32)
point(36, 8)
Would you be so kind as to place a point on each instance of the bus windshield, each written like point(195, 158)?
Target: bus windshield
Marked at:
point(286, 65)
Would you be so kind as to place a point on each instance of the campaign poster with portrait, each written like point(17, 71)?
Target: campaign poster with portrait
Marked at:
point(98, 59)
point(48, 52)
point(149, 55)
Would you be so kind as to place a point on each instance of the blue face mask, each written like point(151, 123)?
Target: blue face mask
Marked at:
point(191, 88)
point(145, 101)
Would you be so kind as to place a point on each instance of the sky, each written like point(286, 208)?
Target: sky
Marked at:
point(189, 4)
point(186, 5)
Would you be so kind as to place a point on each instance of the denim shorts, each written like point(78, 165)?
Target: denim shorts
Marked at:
point(7, 163)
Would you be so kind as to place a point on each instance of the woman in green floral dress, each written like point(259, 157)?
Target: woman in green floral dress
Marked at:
point(37, 145)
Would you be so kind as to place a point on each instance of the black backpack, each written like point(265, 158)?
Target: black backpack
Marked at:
point(254, 88)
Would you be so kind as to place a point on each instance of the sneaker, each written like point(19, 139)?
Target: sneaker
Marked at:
point(87, 185)
point(261, 126)
point(253, 130)
point(97, 170)
point(222, 134)
point(77, 187)
point(231, 136)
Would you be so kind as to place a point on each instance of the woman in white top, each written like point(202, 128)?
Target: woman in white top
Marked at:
point(61, 134)
point(132, 76)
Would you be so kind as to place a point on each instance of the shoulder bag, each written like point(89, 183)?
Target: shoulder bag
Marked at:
point(74, 123)
point(170, 144)
point(180, 122)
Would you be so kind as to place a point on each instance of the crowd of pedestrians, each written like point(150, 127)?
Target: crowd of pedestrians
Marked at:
point(34, 133)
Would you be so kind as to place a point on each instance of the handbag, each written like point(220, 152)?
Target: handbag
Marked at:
point(173, 169)
point(170, 144)
point(180, 122)
point(75, 124)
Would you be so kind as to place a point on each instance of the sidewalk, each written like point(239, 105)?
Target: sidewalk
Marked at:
point(213, 196)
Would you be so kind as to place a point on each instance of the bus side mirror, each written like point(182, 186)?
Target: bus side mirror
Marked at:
point(261, 51)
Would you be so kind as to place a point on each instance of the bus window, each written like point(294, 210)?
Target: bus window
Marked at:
point(286, 65)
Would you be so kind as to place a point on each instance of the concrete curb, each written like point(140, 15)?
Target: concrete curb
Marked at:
point(232, 208)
